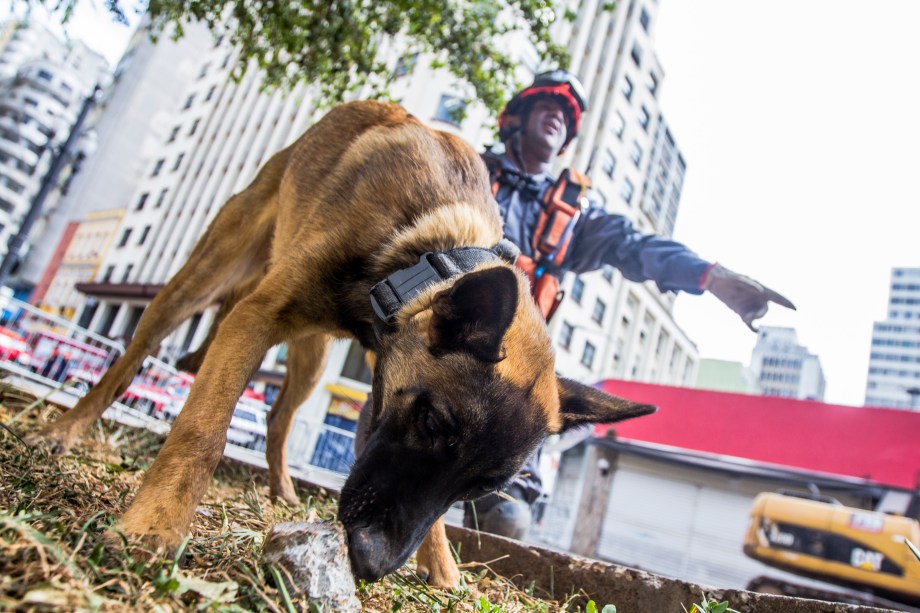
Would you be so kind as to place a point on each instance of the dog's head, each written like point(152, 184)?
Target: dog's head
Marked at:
point(464, 393)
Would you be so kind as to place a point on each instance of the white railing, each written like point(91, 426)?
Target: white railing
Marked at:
point(53, 357)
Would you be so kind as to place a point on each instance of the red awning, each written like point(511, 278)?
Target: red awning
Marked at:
point(882, 445)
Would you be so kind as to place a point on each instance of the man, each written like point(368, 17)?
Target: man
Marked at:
point(535, 127)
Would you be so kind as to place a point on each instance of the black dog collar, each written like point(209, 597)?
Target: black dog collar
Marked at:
point(388, 296)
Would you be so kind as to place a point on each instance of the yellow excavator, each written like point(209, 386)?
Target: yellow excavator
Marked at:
point(818, 537)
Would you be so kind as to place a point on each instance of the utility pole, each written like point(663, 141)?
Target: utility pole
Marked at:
point(17, 242)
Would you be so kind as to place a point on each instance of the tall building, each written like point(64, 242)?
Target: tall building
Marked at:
point(44, 84)
point(133, 121)
point(785, 368)
point(894, 361)
point(77, 260)
point(215, 132)
point(609, 327)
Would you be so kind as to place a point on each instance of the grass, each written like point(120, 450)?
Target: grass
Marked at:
point(54, 509)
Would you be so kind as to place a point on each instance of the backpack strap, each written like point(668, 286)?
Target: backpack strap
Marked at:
point(562, 205)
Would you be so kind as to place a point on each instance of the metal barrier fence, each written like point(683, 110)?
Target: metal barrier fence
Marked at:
point(47, 354)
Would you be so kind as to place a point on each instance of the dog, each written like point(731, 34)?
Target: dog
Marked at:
point(375, 227)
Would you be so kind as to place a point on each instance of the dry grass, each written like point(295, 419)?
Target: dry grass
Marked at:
point(53, 510)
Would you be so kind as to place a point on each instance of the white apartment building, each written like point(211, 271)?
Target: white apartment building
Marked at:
point(43, 84)
point(894, 362)
point(218, 132)
point(134, 121)
point(785, 368)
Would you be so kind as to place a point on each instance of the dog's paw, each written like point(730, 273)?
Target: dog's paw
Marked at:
point(51, 441)
point(139, 546)
point(283, 490)
point(444, 578)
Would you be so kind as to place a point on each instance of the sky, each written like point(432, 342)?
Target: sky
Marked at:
point(800, 126)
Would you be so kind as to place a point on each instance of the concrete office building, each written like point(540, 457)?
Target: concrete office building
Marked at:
point(134, 120)
point(785, 368)
point(608, 326)
point(894, 362)
point(43, 84)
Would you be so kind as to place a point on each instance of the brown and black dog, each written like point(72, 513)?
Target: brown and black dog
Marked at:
point(464, 388)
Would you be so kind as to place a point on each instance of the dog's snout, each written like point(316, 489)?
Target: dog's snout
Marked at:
point(366, 562)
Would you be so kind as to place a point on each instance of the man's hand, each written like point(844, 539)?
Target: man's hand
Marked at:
point(743, 295)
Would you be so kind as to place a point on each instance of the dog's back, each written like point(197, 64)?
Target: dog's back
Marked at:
point(383, 170)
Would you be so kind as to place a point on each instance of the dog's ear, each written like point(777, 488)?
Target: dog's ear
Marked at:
point(583, 404)
point(474, 314)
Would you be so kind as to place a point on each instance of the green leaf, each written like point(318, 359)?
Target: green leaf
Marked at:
point(590, 607)
point(609, 608)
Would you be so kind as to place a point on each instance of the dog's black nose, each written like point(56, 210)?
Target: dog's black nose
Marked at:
point(368, 562)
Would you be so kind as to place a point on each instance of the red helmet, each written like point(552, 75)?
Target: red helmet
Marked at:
point(559, 84)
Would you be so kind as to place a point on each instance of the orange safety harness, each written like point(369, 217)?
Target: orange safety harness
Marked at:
point(560, 208)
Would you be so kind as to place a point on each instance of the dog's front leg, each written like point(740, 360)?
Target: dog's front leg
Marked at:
point(163, 510)
point(435, 559)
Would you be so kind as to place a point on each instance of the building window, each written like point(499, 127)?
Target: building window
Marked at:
point(173, 134)
point(609, 163)
point(578, 289)
point(44, 75)
point(587, 356)
point(599, 309)
point(635, 154)
point(405, 65)
point(210, 93)
point(644, 118)
point(619, 125)
point(194, 127)
point(644, 19)
point(142, 201)
point(178, 162)
point(109, 271)
point(450, 110)
point(607, 273)
point(144, 235)
point(627, 192)
point(204, 71)
point(627, 88)
point(598, 199)
point(565, 335)
point(157, 167)
point(652, 83)
point(188, 102)
point(636, 54)
point(161, 198)
point(126, 235)
point(128, 269)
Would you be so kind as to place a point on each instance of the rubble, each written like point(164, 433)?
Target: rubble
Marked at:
point(313, 561)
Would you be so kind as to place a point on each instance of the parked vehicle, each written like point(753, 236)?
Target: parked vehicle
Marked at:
point(13, 348)
point(248, 426)
point(56, 356)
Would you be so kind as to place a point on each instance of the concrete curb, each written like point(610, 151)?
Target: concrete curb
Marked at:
point(632, 591)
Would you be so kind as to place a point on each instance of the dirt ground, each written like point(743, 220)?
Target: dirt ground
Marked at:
point(53, 510)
